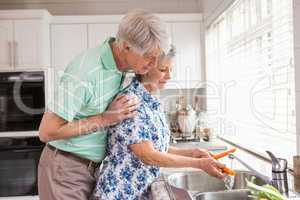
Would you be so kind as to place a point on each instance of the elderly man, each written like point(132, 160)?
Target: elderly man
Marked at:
point(72, 126)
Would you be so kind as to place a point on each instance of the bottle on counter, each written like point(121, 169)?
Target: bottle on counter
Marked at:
point(206, 133)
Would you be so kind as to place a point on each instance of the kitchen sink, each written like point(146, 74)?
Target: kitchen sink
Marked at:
point(210, 146)
point(225, 195)
point(196, 182)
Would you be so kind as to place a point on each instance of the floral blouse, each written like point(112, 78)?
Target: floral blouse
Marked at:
point(123, 175)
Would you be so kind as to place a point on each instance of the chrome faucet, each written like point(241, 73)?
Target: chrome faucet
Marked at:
point(279, 172)
point(254, 172)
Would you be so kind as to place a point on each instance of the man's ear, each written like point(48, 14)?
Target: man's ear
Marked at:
point(126, 46)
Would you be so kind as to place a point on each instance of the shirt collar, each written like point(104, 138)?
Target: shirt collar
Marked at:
point(106, 55)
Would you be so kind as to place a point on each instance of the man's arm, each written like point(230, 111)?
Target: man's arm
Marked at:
point(53, 127)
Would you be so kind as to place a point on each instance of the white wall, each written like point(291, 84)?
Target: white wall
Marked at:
point(88, 7)
point(296, 7)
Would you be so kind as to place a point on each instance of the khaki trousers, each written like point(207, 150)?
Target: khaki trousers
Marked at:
point(65, 176)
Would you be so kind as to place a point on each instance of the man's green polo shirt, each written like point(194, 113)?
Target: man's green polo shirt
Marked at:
point(86, 87)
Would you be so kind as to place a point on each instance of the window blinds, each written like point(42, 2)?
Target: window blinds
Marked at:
point(250, 74)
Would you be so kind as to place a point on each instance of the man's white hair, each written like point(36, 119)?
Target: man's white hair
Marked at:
point(143, 31)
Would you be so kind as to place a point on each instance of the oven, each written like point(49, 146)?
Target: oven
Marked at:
point(22, 100)
point(22, 104)
point(19, 158)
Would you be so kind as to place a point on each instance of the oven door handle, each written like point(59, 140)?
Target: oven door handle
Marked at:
point(20, 150)
point(26, 150)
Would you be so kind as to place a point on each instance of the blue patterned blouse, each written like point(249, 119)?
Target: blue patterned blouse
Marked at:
point(124, 176)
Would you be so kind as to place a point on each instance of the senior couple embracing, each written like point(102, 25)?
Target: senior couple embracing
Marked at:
point(106, 141)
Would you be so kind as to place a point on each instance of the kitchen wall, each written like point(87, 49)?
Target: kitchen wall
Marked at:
point(90, 7)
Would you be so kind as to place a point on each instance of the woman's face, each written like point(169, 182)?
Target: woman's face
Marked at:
point(158, 76)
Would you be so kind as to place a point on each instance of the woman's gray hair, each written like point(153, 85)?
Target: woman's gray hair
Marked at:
point(170, 55)
point(143, 31)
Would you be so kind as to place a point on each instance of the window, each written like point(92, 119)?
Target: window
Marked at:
point(250, 74)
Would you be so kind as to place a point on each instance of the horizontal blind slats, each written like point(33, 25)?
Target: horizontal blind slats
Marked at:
point(256, 53)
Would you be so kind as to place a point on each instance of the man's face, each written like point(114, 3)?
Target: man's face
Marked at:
point(141, 64)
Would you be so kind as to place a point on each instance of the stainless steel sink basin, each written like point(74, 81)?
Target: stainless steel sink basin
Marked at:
point(211, 146)
point(196, 181)
point(225, 195)
point(200, 182)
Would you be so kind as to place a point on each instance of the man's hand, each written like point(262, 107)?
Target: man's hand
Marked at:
point(200, 153)
point(211, 167)
point(123, 107)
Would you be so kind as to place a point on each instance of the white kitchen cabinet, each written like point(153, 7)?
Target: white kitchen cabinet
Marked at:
point(67, 41)
point(6, 38)
point(31, 44)
point(99, 32)
point(71, 36)
point(187, 67)
point(24, 41)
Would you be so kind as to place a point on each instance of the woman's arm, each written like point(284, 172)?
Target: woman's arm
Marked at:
point(146, 152)
point(189, 152)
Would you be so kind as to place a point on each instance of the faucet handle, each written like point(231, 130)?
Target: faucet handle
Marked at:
point(276, 165)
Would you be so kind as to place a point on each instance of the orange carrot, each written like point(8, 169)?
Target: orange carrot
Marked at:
point(228, 171)
point(223, 154)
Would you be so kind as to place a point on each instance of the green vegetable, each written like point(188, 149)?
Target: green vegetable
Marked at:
point(266, 191)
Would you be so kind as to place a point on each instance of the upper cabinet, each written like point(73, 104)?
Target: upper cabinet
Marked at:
point(67, 41)
point(6, 42)
point(24, 40)
point(99, 32)
point(31, 44)
point(72, 35)
point(187, 70)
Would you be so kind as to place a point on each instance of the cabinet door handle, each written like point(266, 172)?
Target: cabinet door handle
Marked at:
point(16, 53)
point(10, 54)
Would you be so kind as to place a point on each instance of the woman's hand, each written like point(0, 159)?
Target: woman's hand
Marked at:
point(200, 153)
point(211, 167)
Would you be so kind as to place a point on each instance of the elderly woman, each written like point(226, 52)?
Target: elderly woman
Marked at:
point(139, 146)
